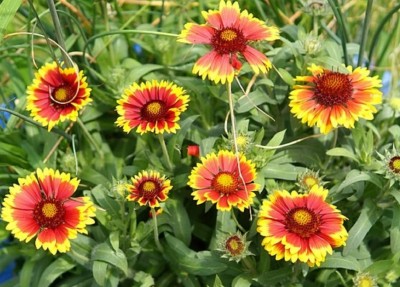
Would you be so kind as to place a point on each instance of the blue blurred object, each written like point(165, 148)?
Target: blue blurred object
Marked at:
point(8, 272)
point(137, 49)
point(5, 116)
point(386, 82)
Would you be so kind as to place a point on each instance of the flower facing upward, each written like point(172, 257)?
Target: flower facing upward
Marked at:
point(331, 99)
point(228, 31)
point(149, 188)
point(217, 179)
point(41, 205)
point(301, 227)
point(234, 246)
point(57, 94)
point(151, 107)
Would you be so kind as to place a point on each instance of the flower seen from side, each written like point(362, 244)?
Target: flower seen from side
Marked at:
point(57, 94)
point(307, 179)
point(330, 99)
point(151, 107)
point(149, 188)
point(229, 33)
point(41, 205)
point(235, 247)
point(193, 150)
point(219, 179)
point(301, 227)
point(365, 280)
point(390, 165)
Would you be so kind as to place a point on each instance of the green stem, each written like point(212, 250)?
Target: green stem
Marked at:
point(156, 239)
point(338, 15)
point(29, 120)
point(59, 35)
point(379, 29)
point(237, 222)
point(365, 28)
point(250, 265)
point(165, 151)
point(90, 138)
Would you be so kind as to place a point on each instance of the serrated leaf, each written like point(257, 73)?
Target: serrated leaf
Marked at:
point(104, 252)
point(337, 260)
point(339, 151)
point(55, 269)
point(370, 213)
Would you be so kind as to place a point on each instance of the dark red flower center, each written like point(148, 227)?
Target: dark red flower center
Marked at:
point(234, 245)
point(149, 189)
point(154, 110)
point(49, 213)
point(333, 88)
point(225, 182)
point(63, 94)
point(228, 41)
point(302, 221)
point(394, 164)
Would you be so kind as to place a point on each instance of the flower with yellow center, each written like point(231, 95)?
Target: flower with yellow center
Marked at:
point(219, 179)
point(57, 94)
point(300, 227)
point(41, 205)
point(390, 165)
point(229, 33)
point(149, 188)
point(307, 179)
point(364, 280)
point(151, 107)
point(330, 99)
point(235, 247)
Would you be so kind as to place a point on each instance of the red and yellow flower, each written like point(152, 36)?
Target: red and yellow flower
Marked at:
point(228, 31)
point(219, 179)
point(149, 188)
point(151, 107)
point(57, 94)
point(301, 227)
point(330, 99)
point(41, 205)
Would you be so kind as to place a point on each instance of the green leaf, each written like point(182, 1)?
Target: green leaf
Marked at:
point(370, 213)
point(356, 176)
point(104, 252)
point(8, 8)
point(337, 260)
point(275, 276)
point(55, 269)
point(81, 248)
point(281, 171)
point(395, 230)
point(217, 282)
point(178, 220)
point(186, 260)
point(242, 280)
point(251, 101)
point(339, 151)
point(32, 269)
point(100, 272)
point(381, 267)
point(110, 205)
point(286, 76)
point(277, 139)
